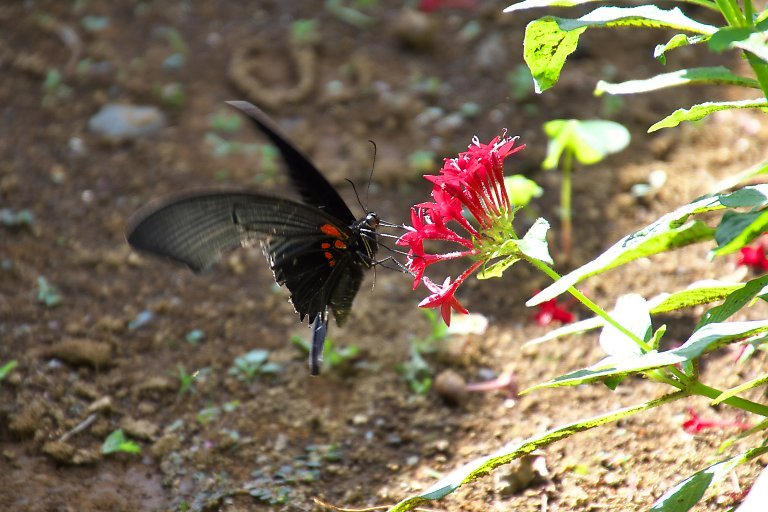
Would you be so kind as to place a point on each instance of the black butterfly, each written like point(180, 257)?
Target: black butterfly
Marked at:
point(318, 249)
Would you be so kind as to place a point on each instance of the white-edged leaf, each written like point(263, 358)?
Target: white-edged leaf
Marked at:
point(719, 75)
point(702, 110)
point(676, 41)
point(631, 312)
point(755, 500)
point(700, 292)
point(706, 339)
point(484, 465)
point(668, 232)
point(752, 39)
point(550, 40)
point(686, 494)
point(532, 4)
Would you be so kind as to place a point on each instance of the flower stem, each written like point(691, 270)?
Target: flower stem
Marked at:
point(677, 378)
point(591, 305)
point(698, 388)
point(565, 205)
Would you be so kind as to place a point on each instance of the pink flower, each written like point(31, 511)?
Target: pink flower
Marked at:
point(474, 183)
point(550, 310)
point(695, 424)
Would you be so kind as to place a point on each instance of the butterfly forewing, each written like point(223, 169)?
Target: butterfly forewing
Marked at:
point(197, 229)
point(305, 178)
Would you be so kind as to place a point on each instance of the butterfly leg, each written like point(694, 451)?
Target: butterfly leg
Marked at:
point(319, 330)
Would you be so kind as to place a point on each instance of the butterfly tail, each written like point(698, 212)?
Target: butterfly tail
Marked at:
point(319, 330)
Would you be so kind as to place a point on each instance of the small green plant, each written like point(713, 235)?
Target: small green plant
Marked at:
point(416, 372)
point(588, 142)
point(195, 336)
point(256, 362)
point(117, 442)
point(13, 219)
point(225, 121)
point(187, 380)
point(7, 368)
point(47, 294)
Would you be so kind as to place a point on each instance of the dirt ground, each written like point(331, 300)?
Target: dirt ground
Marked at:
point(119, 330)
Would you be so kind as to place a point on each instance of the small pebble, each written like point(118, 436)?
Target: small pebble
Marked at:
point(451, 387)
point(126, 121)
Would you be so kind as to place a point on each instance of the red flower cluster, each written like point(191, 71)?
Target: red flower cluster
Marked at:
point(754, 255)
point(695, 424)
point(550, 310)
point(473, 181)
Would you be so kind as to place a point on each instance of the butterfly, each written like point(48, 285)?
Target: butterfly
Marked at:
point(317, 248)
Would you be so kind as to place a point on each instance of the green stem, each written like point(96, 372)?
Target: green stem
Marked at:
point(697, 388)
point(565, 204)
point(731, 13)
point(591, 305)
point(680, 380)
point(760, 67)
point(703, 3)
point(749, 11)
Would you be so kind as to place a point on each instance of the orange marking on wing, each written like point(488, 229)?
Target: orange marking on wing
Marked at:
point(325, 245)
point(331, 230)
point(339, 244)
point(328, 255)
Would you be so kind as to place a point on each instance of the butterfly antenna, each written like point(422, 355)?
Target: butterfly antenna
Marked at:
point(370, 175)
point(357, 195)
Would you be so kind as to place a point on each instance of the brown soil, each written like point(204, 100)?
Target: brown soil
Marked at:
point(355, 436)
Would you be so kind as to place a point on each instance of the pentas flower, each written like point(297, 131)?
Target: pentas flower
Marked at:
point(470, 209)
point(696, 424)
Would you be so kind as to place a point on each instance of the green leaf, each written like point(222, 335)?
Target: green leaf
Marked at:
point(668, 232)
point(702, 292)
point(735, 301)
point(497, 269)
point(751, 39)
point(521, 189)
point(753, 196)
point(590, 141)
point(663, 235)
point(702, 110)
point(687, 493)
point(548, 41)
point(718, 75)
point(117, 442)
point(677, 41)
point(706, 339)
point(484, 465)
point(7, 368)
point(545, 48)
point(737, 229)
point(698, 293)
point(534, 242)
